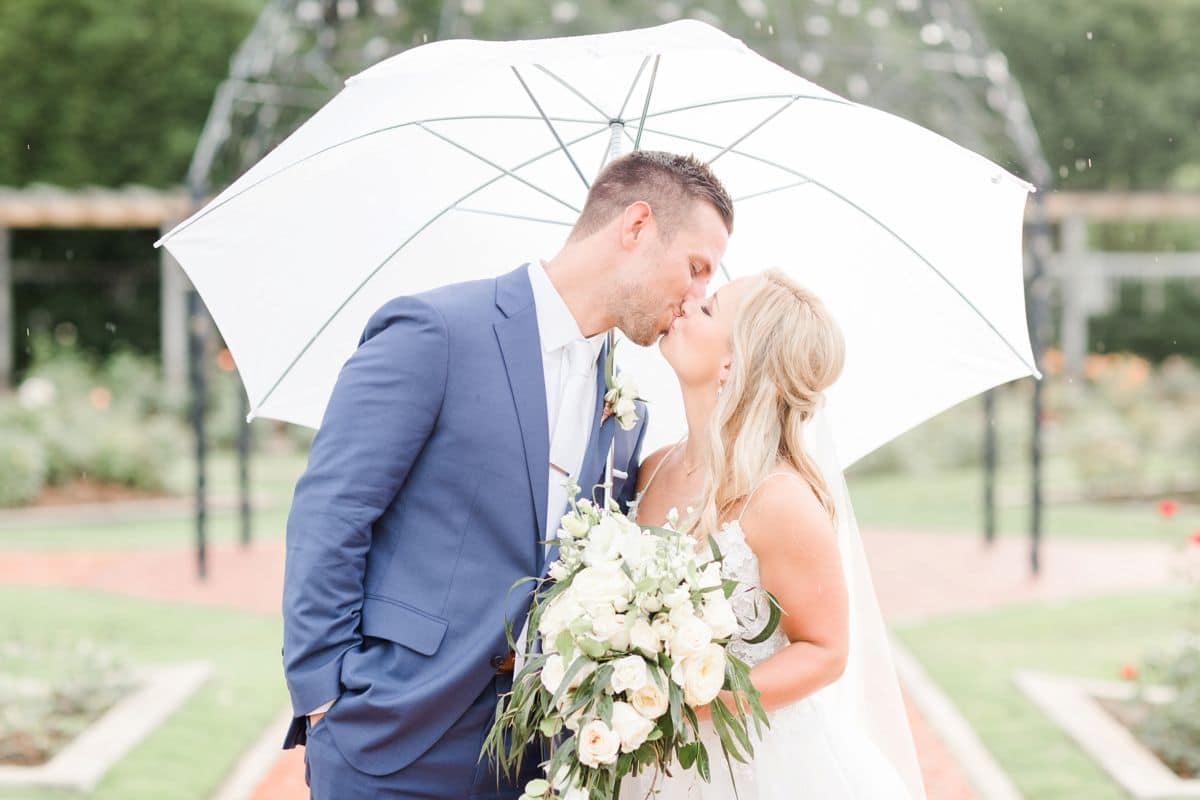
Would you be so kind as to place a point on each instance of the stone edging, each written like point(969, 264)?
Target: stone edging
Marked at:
point(82, 763)
point(982, 770)
point(1072, 704)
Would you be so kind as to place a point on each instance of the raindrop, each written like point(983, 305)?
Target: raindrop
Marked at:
point(932, 34)
point(996, 66)
point(564, 11)
point(812, 63)
point(472, 8)
point(755, 9)
point(669, 11)
point(386, 8)
point(308, 10)
point(1063, 171)
point(817, 25)
point(849, 8)
point(908, 5)
point(857, 86)
point(877, 18)
point(770, 30)
point(375, 48)
point(961, 40)
point(111, 327)
point(347, 9)
point(1080, 165)
point(1089, 35)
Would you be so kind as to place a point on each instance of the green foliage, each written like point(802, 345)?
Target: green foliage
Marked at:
point(22, 468)
point(1116, 82)
point(1153, 330)
point(1172, 730)
point(97, 92)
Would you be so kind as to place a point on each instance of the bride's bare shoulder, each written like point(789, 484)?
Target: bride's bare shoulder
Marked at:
point(785, 511)
point(650, 465)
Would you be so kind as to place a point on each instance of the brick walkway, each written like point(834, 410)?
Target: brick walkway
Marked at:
point(917, 576)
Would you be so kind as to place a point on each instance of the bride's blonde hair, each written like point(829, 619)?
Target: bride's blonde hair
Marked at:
point(787, 350)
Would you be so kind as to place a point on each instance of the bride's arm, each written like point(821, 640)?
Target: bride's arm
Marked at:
point(797, 551)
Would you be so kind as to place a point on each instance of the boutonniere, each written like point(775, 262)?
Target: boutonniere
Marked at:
point(620, 395)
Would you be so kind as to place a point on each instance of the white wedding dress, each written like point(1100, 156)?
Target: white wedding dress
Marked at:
point(813, 748)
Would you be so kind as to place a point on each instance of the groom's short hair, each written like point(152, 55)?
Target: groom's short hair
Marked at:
point(668, 182)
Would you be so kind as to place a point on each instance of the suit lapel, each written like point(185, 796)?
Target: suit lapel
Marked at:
point(521, 348)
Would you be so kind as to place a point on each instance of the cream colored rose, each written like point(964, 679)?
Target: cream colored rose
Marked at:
point(678, 597)
point(643, 637)
point(573, 527)
point(719, 616)
point(704, 675)
point(710, 576)
point(650, 701)
point(690, 638)
point(628, 673)
point(601, 584)
point(552, 673)
point(598, 744)
point(630, 726)
point(603, 544)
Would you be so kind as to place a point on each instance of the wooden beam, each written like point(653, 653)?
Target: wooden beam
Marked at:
point(1123, 206)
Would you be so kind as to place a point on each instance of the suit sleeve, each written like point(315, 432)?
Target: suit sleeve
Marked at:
point(382, 411)
point(629, 486)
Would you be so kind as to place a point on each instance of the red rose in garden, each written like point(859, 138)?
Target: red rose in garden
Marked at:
point(1167, 508)
point(1129, 671)
point(1196, 537)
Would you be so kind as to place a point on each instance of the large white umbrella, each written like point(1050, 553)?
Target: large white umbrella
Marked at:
point(463, 159)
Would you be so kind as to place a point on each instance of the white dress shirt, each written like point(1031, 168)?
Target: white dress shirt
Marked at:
point(557, 330)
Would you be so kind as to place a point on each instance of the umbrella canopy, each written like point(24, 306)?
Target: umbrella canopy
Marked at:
point(462, 159)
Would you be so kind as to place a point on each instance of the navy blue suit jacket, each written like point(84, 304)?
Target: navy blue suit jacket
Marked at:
point(423, 501)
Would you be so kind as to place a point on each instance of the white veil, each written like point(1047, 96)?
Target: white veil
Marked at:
point(868, 693)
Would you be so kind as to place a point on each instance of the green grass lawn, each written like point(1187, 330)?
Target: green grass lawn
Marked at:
point(189, 755)
point(973, 659)
point(953, 502)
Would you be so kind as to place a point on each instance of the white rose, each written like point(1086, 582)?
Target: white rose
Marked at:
point(690, 638)
point(598, 744)
point(650, 701)
point(628, 673)
point(704, 675)
point(610, 627)
point(643, 637)
point(603, 544)
point(573, 527)
point(720, 617)
point(625, 407)
point(552, 673)
point(601, 584)
point(649, 603)
point(710, 576)
point(630, 726)
point(678, 596)
point(663, 628)
point(558, 571)
point(557, 615)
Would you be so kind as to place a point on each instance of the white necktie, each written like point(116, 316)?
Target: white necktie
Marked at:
point(573, 427)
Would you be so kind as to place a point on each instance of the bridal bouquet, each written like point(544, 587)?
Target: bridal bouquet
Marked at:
point(633, 626)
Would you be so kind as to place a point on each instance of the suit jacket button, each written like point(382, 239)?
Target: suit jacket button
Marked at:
point(496, 661)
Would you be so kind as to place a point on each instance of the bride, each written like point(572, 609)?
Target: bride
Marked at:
point(759, 474)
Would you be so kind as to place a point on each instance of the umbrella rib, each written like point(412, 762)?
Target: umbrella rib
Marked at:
point(883, 226)
point(752, 131)
point(287, 371)
point(209, 209)
point(835, 100)
point(632, 86)
point(604, 117)
point(637, 143)
point(494, 165)
point(783, 188)
point(513, 216)
point(553, 130)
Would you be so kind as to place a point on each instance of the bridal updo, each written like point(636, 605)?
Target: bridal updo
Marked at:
point(786, 351)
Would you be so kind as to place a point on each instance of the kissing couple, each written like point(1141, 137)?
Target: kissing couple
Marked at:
point(438, 472)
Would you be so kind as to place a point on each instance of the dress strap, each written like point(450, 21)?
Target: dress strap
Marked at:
point(659, 465)
point(754, 491)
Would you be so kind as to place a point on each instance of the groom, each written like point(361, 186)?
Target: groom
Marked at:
point(438, 467)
